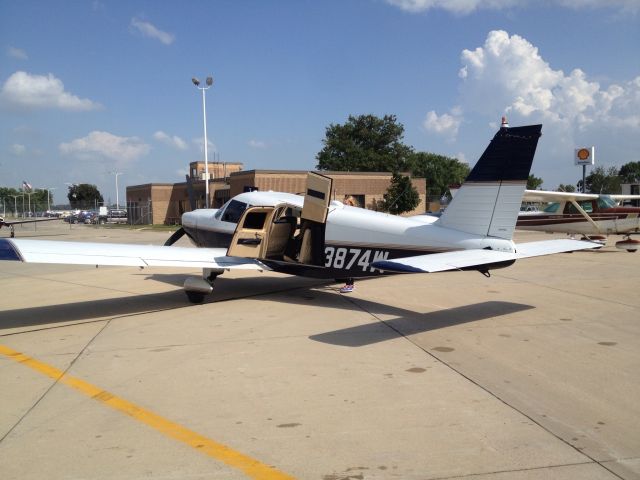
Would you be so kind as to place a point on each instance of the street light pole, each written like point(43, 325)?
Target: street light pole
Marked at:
point(49, 197)
point(117, 195)
point(30, 193)
point(209, 82)
point(15, 204)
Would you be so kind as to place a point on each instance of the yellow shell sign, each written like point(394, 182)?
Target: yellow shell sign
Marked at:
point(584, 156)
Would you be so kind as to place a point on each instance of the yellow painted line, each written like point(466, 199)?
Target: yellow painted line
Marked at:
point(251, 467)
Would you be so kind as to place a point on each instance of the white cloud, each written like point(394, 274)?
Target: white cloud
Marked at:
point(173, 141)
point(508, 74)
point(446, 124)
point(467, 6)
point(17, 53)
point(624, 5)
point(18, 149)
point(199, 143)
point(454, 6)
point(24, 90)
point(461, 157)
point(149, 30)
point(259, 144)
point(122, 150)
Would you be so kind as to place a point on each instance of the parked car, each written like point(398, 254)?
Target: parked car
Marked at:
point(90, 217)
point(113, 216)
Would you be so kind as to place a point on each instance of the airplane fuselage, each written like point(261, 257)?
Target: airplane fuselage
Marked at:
point(614, 220)
point(353, 238)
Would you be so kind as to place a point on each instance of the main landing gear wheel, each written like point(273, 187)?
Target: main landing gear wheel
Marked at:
point(195, 297)
point(628, 244)
point(197, 288)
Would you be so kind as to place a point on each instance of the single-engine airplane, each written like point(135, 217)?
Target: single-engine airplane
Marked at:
point(12, 223)
point(312, 235)
point(589, 214)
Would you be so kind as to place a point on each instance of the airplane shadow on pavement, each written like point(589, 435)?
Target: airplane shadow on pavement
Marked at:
point(408, 323)
point(291, 290)
point(404, 322)
point(226, 289)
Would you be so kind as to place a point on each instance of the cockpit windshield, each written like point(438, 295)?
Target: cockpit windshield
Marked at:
point(606, 202)
point(231, 211)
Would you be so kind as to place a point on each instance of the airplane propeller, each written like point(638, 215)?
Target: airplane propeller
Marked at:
point(177, 235)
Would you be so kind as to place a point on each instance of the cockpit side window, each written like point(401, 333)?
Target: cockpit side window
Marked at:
point(552, 207)
point(234, 211)
point(587, 206)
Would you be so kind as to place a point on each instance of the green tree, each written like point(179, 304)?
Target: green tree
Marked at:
point(439, 171)
point(630, 172)
point(84, 195)
point(365, 143)
point(533, 182)
point(36, 197)
point(12, 204)
point(566, 188)
point(602, 180)
point(401, 195)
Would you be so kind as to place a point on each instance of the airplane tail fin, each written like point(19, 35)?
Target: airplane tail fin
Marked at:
point(489, 200)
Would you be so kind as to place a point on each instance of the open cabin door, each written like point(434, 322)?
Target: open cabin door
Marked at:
point(269, 232)
point(251, 236)
point(313, 219)
point(317, 198)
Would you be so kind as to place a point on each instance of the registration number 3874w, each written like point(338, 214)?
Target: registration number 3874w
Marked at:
point(356, 258)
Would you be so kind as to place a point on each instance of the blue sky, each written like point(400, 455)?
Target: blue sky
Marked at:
point(88, 88)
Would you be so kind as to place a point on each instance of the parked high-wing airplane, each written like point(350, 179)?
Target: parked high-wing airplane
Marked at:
point(588, 214)
point(11, 223)
point(313, 236)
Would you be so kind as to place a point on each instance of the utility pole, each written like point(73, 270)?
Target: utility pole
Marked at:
point(209, 82)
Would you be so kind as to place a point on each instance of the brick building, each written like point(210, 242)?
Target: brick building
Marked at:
point(368, 188)
point(164, 203)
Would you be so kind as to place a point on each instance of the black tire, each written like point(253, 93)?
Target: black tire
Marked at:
point(195, 297)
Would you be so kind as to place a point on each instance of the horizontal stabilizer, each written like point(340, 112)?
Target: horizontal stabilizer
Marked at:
point(465, 259)
point(78, 253)
point(549, 247)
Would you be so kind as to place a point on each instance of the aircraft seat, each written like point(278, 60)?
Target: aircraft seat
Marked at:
point(281, 231)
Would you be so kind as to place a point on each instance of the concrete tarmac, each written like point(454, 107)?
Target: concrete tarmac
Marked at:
point(533, 373)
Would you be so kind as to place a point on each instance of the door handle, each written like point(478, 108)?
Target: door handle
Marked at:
point(249, 241)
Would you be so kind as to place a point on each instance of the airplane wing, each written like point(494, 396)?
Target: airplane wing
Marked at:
point(619, 198)
point(78, 253)
point(548, 196)
point(460, 259)
point(18, 222)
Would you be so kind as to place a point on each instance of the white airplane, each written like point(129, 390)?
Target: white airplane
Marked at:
point(11, 223)
point(588, 214)
point(313, 236)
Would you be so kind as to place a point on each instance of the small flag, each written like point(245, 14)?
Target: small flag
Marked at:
point(26, 186)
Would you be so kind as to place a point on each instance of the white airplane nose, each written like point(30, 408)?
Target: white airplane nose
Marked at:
point(200, 217)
